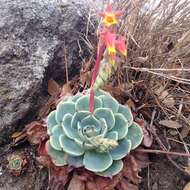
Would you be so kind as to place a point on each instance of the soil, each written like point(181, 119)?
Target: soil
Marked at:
point(162, 175)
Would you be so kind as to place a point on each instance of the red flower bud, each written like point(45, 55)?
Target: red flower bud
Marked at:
point(120, 45)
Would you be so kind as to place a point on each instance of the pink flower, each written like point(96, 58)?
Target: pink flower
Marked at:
point(120, 45)
point(110, 16)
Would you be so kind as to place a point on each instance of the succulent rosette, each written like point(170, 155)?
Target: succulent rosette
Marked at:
point(97, 141)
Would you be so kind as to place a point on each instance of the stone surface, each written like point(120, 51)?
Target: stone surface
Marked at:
point(33, 36)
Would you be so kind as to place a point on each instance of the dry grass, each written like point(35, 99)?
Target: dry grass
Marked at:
point(159, 57)
point(159, 50)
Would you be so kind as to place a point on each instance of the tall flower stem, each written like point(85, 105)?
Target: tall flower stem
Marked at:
point(100, 52)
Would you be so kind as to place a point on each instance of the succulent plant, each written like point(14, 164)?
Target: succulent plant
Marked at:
point(97, 141)
point(16, 163)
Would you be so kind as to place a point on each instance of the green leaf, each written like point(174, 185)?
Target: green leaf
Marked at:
point(54, 138)
point(68, 130)
point(121, 150)
point(112, 135)
point(51, 121)
point(126, 111)
point(106, 114)
point(97, 162)
point(76, 161)
point(121, 126)
point(109, 102)
point(77, 117)
point(71, 147)
point(57, 157)
point(64, 108)
point(114, 169)
point(135, 135)
point(82, 104)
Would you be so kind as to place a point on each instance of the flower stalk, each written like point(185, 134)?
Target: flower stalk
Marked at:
point(110, 44)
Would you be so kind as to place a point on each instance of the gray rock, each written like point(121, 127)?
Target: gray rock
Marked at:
point(33, 35)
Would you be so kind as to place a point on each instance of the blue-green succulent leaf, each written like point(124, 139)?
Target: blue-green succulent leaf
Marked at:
point(54, 138)
point(126, 111)
point(135, 135)
point(79, 141)
point(57, 157)
point(106, 114)
point(90, 120)
point(104, 127)
point(121, 126)
point(114, 169)
point(64, 108)
point(97, 162)
point(80, 132)
point(88, 146)
point(109, 102)
point(82, 104)
point(68, 130)
point(97, 141)
point(70, 147)
point(123, 148)
point(112, 135)
point(77, 117)
point(51, 121)
point(76, 161)
point(90, 126)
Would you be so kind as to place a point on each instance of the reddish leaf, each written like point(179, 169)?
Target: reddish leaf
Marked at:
point(142, 159)
point(148, 138)
point(94, 182)
point(18, 137)
point(66, 90)
point(107, 183)
point(45, 161)
point(58, 177)
point(36, 132)
point(53, 88)
point(76, 183)
point(43, 158)
point(131, 170)
point(126, 185)
point(90, 185)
